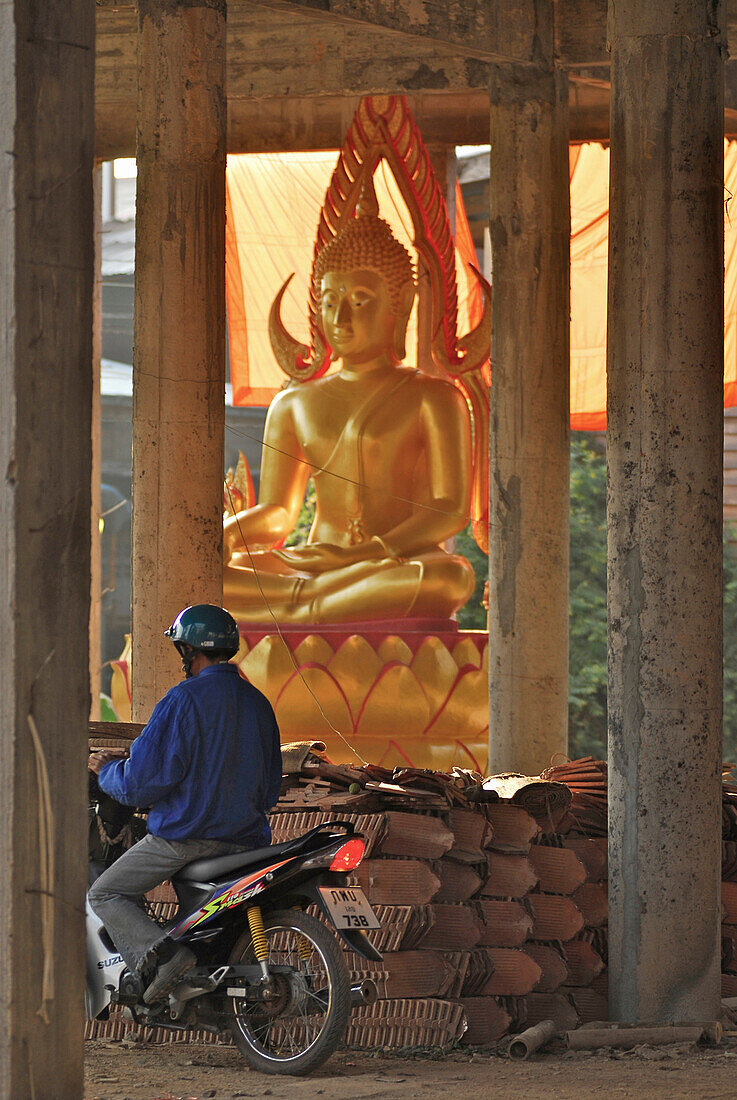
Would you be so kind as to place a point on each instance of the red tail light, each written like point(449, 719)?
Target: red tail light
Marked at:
point(349, 855)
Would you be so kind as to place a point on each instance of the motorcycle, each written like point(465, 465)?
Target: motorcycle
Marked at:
point(268, 973)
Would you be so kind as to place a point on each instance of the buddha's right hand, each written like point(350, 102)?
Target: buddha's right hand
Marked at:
point(323, 557)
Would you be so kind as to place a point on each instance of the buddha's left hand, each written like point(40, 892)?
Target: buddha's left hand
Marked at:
point(321, 557)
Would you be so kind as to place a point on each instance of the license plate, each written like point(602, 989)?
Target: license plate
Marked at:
point(349, 908)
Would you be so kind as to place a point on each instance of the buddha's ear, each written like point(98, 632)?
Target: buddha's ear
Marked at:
point(401, 321)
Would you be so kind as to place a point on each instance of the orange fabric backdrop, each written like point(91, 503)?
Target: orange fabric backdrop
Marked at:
point(589, 249)
point(273, 204)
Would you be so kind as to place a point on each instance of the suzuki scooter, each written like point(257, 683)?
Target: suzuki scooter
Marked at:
point(269, 973)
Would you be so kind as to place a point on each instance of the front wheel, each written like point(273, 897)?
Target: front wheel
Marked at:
point(305, 1018)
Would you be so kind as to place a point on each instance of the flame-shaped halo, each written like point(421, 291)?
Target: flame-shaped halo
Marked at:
point(292, 356)
point(474, 346)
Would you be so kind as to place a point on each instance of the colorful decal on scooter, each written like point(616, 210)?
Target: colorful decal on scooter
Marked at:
point(231, 896)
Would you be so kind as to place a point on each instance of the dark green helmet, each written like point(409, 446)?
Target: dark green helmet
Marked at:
point(206, 627)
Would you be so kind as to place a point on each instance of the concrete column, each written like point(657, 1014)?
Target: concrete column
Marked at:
point(46, 272)
point(665, 361)
point(96, 477)
point(179, 358)
point(529, 422)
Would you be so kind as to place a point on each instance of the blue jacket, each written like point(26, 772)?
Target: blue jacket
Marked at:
point(208, 763)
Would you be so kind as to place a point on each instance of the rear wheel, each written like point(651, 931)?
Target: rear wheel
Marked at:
point(301, 1024)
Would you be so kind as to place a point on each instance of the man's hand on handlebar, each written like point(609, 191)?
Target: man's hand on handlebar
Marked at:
point(98, 760)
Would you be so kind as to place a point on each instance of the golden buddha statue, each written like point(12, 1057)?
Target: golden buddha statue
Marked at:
point(389, 449)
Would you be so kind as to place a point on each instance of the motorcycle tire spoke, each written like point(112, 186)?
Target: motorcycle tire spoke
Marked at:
point(292, 1021)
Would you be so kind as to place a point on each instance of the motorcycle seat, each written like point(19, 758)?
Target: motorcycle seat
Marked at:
point(217, 867)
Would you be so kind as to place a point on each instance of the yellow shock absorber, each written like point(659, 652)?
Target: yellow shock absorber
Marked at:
point(304, 947)
point(258, 936)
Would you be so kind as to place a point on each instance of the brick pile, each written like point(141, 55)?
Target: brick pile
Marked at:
point(492, 899)
point(729, 888)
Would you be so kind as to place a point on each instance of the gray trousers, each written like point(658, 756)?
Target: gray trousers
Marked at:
point(117, 895)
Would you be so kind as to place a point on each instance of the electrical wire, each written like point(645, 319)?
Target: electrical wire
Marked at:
point(284, 640)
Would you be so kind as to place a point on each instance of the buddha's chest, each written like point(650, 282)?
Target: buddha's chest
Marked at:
point(376, 433)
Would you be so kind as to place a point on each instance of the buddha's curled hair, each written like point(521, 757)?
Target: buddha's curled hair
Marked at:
point(368, 244)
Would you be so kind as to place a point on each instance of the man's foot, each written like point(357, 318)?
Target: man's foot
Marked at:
point(168, 974)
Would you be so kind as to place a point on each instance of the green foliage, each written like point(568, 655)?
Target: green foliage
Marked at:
point(587, 610)
point(473, 615)
point(107, 710)
point(587, 680)
point(304, 523)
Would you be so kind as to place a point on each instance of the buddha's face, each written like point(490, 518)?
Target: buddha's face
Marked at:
point(357, 315)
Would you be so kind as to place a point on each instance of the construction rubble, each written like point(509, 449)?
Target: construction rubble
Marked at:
point(492, 896)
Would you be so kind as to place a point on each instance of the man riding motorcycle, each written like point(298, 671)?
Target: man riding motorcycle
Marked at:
point(208, 767)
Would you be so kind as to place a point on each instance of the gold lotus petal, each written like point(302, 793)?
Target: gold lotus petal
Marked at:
point(120, 685)
point(355, 668)
point(485, 658)
point(313, 650)
point(299, 716)
point(395, 705)
point(421, 752)
point(268, 666)
point(466, 653)
point(466, 714)
point(242, 652)
point(394, 648)
point(393, 753)
point(435, 670)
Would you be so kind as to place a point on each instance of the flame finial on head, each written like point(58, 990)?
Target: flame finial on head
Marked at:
point(368, 204)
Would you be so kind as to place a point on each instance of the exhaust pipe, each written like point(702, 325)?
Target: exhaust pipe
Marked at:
point(365, 993)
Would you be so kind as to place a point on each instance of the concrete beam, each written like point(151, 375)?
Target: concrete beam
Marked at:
point(179, 349)
point(664, 447)
point(294, 77)
point(46, 276)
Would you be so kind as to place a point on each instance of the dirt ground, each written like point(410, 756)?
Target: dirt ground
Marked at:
point(133, 1071)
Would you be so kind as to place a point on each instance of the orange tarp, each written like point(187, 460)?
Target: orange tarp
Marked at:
point(589, 248)
point(274, 201)
point(273, 206)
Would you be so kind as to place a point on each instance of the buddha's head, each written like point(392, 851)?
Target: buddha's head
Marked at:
point(363, 288)
point(363, 282)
